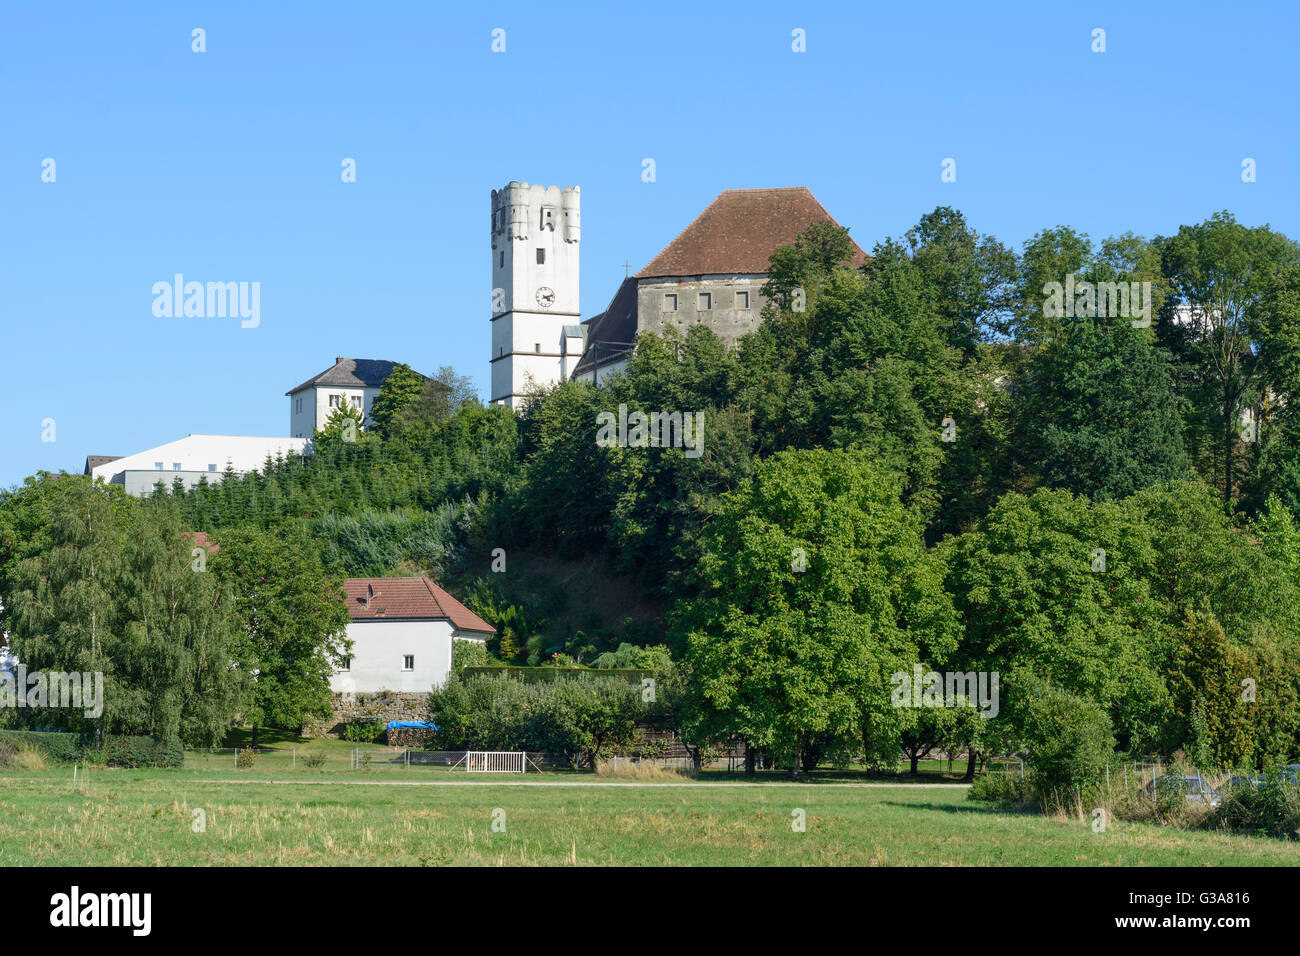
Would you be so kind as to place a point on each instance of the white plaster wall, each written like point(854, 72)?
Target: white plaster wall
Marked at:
point(196, 452)
point(519, 230)
point(377, 651)
point(316, 406)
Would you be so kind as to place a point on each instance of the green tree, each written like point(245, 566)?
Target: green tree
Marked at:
point(294, 617)
point(399, 390)
point(120, 597)
point(1096, 412)
point(814, 589)
point(1222, 276)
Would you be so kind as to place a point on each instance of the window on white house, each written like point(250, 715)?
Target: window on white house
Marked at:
point(347, 663)
point(212, 467)
point(408, 662)
point(157, 465)
point(541, 257)
point(537, 347)
point(356, 401)
point(334, 401)
point(706, 301)
point(742, 300)
point(670, 302)
point(176, 466)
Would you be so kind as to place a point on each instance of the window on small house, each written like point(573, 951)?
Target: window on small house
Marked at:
point(670, 302)
point(157, 466)
point(541, 257)
point(408, 662)
point(334, 401)
point(742, 300)
point(356, 401)
point(706, 301)
point(176, 466)
point(212, 467)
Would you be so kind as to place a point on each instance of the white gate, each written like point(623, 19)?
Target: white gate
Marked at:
point(494, 761)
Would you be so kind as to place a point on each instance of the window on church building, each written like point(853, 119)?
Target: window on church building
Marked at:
point(501, 259)
point(706, 301)
point(670, 302)
point(537, 347)
point(742, 300)
point(408, 662)
point(541, 257)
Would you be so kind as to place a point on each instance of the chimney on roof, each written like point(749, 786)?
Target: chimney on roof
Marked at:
point(339, 360)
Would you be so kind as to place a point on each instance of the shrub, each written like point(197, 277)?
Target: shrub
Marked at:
point(1004, 788)
point(57, 747)
point(1069, 741)
point(583, 720)
point(1271, 809)
point(363, 731)
point(314, 759)
point(29, 758)
point(245, 757)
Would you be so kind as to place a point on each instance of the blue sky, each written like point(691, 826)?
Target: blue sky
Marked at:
point(225, 165)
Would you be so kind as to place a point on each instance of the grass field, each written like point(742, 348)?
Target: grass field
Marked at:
point(429, 816)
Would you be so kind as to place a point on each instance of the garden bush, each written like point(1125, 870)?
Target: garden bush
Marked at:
point(58, 747)
point(1271, 809)
point(136, 752)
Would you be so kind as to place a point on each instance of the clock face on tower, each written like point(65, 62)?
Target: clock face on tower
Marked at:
point(546, 297)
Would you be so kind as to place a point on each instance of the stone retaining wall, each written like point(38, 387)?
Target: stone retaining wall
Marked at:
point(380, 706)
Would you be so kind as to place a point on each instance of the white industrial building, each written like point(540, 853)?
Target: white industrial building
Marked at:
point(191, 459)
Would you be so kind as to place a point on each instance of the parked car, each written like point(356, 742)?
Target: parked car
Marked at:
point(1251, 781)
point(1193, 789)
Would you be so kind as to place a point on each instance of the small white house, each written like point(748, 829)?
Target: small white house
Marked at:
point(348, 382)
point(190, 459)
point(402, 632)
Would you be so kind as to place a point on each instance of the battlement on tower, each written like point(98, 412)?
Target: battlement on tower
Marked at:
point(520, 211)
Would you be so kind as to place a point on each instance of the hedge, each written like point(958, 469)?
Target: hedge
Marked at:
point(135, 752)
point(548, 673)
point(59, 747)
point(116, 752)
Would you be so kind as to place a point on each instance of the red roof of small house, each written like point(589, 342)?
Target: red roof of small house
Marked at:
point(374, 599)
point(200, 539)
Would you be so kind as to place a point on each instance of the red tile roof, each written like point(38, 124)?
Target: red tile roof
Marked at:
point(373, 599)
point(200, 539)
point(739, 231)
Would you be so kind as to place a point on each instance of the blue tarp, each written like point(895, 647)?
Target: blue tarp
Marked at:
point(410, 723)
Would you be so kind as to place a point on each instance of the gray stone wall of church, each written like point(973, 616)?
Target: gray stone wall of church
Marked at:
point(724, 310)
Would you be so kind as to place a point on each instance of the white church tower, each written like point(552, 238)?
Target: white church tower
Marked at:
point(536, 336)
